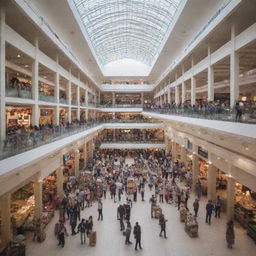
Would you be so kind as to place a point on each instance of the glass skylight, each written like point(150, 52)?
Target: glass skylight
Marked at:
point(126, 29)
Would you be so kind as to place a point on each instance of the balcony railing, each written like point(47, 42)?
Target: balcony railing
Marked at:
point(74, 102)
point(214, 113)
point(119, 105)
point(48, 98)
point(20, 142)
point(64, 101)
point(18, 93)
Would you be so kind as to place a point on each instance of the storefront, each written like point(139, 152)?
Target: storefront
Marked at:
point(18, 116)
point(46, 116)
point(63, 115)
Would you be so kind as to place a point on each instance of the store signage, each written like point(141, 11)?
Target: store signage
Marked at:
point(202, 152)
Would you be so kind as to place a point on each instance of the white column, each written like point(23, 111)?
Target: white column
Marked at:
point(38, 191)
point(169, 95)
point(6, 227)
point(113, 98)
point(193, 90)
point(69, 101)
point(195, 170)
point(210, 77)
point(57, 94)
point(183, 154)
point(78, 103)
point(35, 90)
point(183, 95)
point(211, 182)
point(174, 151)
point(234, 70)
point(85, 153)
point(59, 181)
point(177, 94)
point(142, 98)
point(2, 75)
point(230, 198)
point(76, 162)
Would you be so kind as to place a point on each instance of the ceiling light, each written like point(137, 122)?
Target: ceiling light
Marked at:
point(26, 66)
point(45, 77)
point(18, 56)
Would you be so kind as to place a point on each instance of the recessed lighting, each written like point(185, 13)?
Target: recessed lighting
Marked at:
point(18, 56)
point(45, 77)
point(26, 66)
point(18, 74)
point(246, 148)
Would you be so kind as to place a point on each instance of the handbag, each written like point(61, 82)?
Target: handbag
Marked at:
point(124, 233)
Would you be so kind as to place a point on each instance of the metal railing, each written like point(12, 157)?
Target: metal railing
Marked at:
point(119, 105)
point(48, 98)
point(211, 113)
point(18, 93)
point(64, 101)
point(20, 142)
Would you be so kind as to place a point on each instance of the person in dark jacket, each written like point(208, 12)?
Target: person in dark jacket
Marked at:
point(82, 229)
point(137, 235)
point(162, 223)
point(73, 220)
point(209, 209)
point(230, 234)
point(196, 206)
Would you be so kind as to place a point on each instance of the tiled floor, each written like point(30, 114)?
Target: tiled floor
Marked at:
point(110, 242)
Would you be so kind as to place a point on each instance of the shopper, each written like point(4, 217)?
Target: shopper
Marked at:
point(209, 209)
point(196, 206)
point(137, 235)
point(230, 234)
point(217, 207)
point(89, 225)
point(100, 209)
point(121, 211)
point(153, 204)
point(128, 233)
point(73, 220)
point(142, 192)
point(82, 229)
point(105, 187)
point(61, 234)
point(162, 223)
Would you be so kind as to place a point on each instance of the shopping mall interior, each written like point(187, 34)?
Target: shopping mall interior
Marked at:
point(117, 112)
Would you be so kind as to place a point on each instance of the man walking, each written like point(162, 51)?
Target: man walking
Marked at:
point(137, 235)
point(100, 208)
point(196, 206)
point(209, 209)
point(162, 223)
point(82, 229)
point(142, 192)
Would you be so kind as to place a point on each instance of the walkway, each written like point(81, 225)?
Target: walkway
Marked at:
point(110, 242)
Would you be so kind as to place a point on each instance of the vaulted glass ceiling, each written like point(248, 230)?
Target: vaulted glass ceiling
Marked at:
point(126, 29)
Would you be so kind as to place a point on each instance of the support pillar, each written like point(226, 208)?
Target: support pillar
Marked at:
point(76, 162)
point(85, 154)
point(78, 103)
point(144, 135)
point(177, 95)
point(2, 75)
point(57, 94)
point(38, 191)
point(230, 198)
point(210, 78)
point(6, 227)
point(169, 96)
point(35, 90)
point(193, 90)
point(183, 154)
point(142, 98)
point(183, 93)
point(211, 182)
point(60, 179)
point(174, 151)
point(113, 98)
point(195, 170)
point(234, 70)
point(69, 101)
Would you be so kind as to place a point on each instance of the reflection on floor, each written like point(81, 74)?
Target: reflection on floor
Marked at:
point(110, 242)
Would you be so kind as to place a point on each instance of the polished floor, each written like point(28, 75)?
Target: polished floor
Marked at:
point(110, 242)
